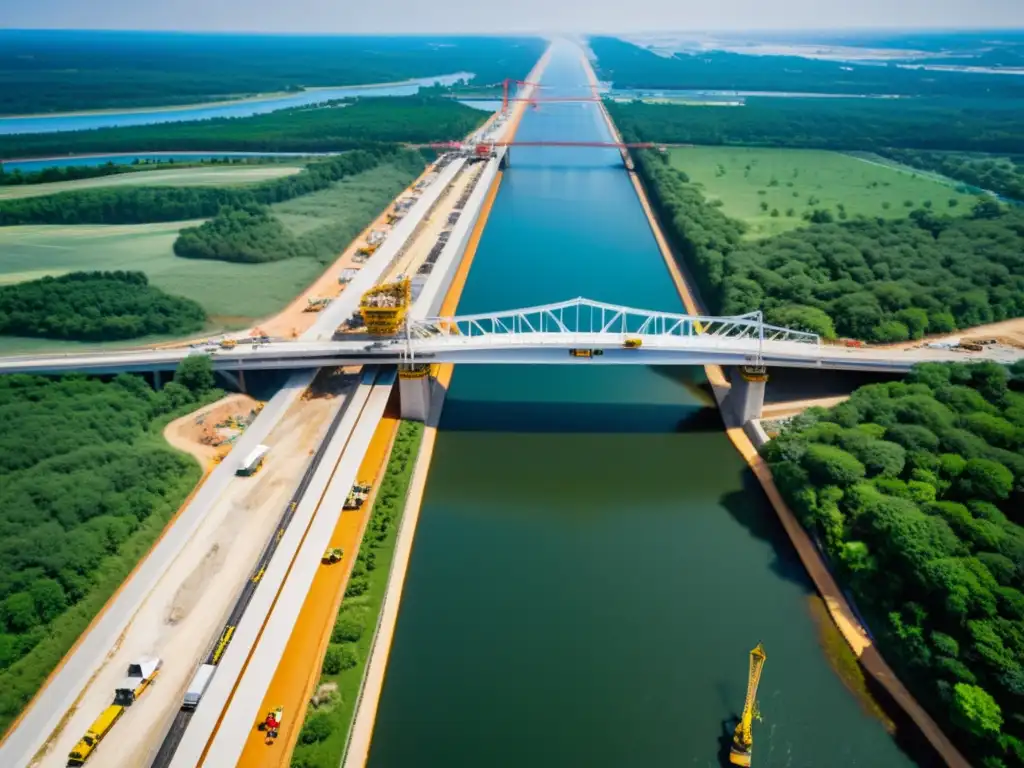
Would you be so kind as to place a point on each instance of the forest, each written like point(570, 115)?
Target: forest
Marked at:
point(241, 233)
point(331, 127)
point(141, 205)
point(874, 279)
point(89, 483)
point(63, 70)
point(1001, 175)
point(95, 306)
point(629, 66)
point(915, 491)
point(969, 125)
point(64, 173)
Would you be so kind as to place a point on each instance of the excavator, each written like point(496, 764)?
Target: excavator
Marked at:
point(742, 748)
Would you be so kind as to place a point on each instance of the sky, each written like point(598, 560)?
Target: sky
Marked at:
point(431, 16)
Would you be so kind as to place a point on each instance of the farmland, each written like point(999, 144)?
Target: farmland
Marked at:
point(233, 295)
point(176, 177)
point(752, 183)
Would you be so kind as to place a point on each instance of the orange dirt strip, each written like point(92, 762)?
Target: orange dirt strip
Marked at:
point(299, 668)
point(836, 602)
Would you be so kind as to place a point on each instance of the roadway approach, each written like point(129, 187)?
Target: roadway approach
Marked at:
point(579, 331)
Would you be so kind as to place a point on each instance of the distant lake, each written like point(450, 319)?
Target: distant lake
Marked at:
point(28, 166)
point(242, 108)
point(487, 105)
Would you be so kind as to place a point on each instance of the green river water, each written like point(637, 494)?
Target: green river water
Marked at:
point(593, 561)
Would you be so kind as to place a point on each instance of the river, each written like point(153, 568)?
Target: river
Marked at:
point(242, 108)
point(593, 562)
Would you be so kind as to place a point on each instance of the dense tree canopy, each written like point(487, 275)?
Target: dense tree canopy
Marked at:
point(922, 517)
point(85, 473)
point(1004, 176)
point(243, 233)
point(846, 124)
point(872, 279)
point(95, 306)
point(630, 66)
point(139, 204)
point(330, 127)
point(50, 71)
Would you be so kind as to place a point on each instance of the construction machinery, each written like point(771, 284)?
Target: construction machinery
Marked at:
point(271, 724)
point(253, 462)
point(228, 343)
point(101, 727)
point(741, 751)
point(317, 304)
point(332, 556)
point(141, 674)
point(383, 307)
point(633, 343)
point(222, 644)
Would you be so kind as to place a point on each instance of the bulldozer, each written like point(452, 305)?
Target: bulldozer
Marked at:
point(332, 556)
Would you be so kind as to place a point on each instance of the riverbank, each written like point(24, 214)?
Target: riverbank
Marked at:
point(358, 748)
point(835, 601)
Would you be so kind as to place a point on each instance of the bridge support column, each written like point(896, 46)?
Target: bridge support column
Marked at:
point(506, 159)
point(746, 398)
point(415, 387)
point(237, 382)
point(157, 381)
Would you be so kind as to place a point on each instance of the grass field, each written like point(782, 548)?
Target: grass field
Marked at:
point(752, 182)
point(177, 177)
point(233, 295)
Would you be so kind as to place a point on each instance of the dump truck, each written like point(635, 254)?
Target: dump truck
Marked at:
point(196, 688)
point(383, 307)
point(140, 676)
point(101, 727)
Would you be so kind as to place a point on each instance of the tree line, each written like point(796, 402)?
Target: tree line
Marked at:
point(630, 66)
point(1001, 175)
point(240, 233)
point(95, 306)
point(873, 279)
point(874, 125)
point(63, 70)
point(915, 491)
point(140, 205)
point(333, 126)
point(88, 484)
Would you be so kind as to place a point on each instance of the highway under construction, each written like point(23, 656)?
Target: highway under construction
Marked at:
point(224, 586)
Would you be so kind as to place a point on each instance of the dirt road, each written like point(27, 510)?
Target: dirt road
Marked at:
point(186, 433)
point(180, 617)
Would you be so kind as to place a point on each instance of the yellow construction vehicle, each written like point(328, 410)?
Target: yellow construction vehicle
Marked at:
point(317, 304)
point(228, 343)
point(222, 644)
point(741, 751)
point(633, 343)
point(332, 556)
point(383, 307)
point(100, 727)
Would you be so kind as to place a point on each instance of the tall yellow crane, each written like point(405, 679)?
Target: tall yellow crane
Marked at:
point(742, 748)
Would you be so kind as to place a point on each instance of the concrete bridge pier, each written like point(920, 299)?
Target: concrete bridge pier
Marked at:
point(415, 390)
point(746, 398)
point(506, 158)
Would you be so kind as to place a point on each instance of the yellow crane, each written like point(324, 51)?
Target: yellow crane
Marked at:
point(741, 751)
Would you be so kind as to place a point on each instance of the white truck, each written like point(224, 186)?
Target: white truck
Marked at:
point(252, 463)
point(196, 688)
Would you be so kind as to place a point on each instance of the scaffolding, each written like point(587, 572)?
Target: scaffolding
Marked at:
point(383, 307)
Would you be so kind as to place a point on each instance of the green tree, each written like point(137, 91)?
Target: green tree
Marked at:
point(985, 480)
point(346, 630)
point(332, 661)
point(832, 466)
point(49, 598)
point(975, 710)
point(195, 373)
point(318, 727)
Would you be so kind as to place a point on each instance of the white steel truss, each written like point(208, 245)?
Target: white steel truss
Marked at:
point(584, 318)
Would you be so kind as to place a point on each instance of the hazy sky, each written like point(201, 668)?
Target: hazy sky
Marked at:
point(358, 16)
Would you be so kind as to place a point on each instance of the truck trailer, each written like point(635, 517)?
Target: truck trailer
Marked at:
point(251, 464)
point(196, 688)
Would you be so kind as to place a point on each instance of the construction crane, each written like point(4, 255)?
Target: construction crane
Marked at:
point(383, 307)
point(741, 751)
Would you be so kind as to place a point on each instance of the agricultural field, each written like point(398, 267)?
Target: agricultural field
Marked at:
point(234, 295)
point(177, 177)
point(752, 183)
